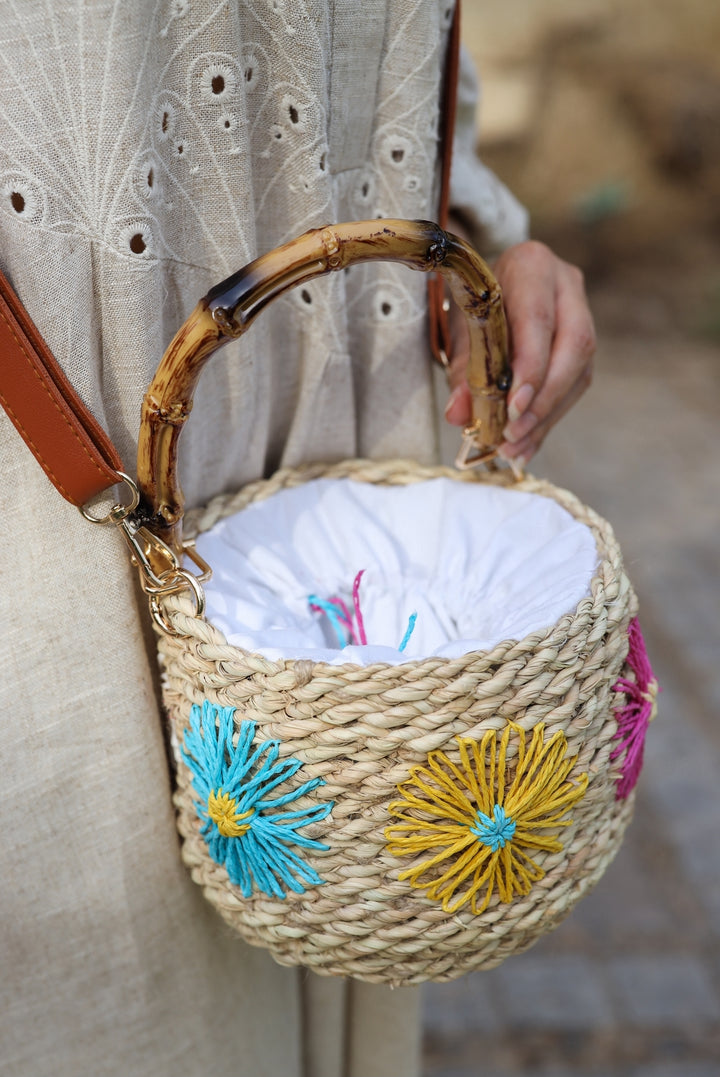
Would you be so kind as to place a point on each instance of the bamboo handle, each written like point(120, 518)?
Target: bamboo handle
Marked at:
point(229, 309)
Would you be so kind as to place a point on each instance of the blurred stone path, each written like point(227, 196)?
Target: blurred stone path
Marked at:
point(629, 985)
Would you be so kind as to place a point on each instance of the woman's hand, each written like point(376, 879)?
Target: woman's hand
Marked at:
point(552, 343)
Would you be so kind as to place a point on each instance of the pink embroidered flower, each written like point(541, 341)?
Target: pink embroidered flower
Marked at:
point(635, 716)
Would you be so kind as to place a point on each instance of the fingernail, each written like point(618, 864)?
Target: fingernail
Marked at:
point(520, 402)
point(453, 399)
point(505, 452)
point(521, 427)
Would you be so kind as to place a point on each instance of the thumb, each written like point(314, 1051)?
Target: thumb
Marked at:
point(458, 410)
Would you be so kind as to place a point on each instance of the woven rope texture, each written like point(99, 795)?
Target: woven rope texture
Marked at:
point(362, 730)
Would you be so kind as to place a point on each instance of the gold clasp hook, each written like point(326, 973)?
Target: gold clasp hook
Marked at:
point(160, 569)
point(473, 453)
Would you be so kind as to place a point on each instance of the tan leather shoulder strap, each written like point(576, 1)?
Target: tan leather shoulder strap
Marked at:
point(440, 341)
point(71, 447)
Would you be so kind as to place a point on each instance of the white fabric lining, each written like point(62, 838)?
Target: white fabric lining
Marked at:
point(478, 564)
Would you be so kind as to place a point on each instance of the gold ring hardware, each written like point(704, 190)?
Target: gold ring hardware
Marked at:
point(465, 461)
point(119, 511)
point(175, 585)
point(161, 571)
point(191, 552)
point(153, 559)
point(160, 568)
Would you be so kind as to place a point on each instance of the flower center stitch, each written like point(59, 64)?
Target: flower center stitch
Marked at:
point(651, 696)
point(495, 832)
point(222, 810)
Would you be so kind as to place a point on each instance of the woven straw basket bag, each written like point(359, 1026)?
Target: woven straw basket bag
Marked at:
point(407, 821)
point(387, 814)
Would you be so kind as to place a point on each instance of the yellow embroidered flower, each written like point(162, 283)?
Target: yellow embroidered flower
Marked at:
point(479, 820)
point(222, 809)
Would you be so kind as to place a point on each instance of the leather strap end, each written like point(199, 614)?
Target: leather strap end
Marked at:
point(440, 339)
point(71, 447)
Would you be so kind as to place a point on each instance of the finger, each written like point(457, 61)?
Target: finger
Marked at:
point(529, 289)
point(459, 345)
point(525, 448)
point(571, 355)
point(458, 409)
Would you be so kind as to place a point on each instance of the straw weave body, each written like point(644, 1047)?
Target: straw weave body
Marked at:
point(362, 729)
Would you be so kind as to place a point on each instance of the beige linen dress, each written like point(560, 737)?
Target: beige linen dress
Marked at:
point(147, 150)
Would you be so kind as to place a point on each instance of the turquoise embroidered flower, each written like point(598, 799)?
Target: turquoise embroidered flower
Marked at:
point(242, 826)
point(495, 832)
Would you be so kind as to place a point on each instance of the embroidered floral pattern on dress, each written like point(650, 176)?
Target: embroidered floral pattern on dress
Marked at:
point(21, 198)
point(226, 121)
point(191, 107)
point(242, 823)
point(251, 64)
point(231, 193)
point(476, 824)
point(147, 179)
point(136, 238)
point(177, 9)
point(165, 121)
point(218, 82)
point(295, 111)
